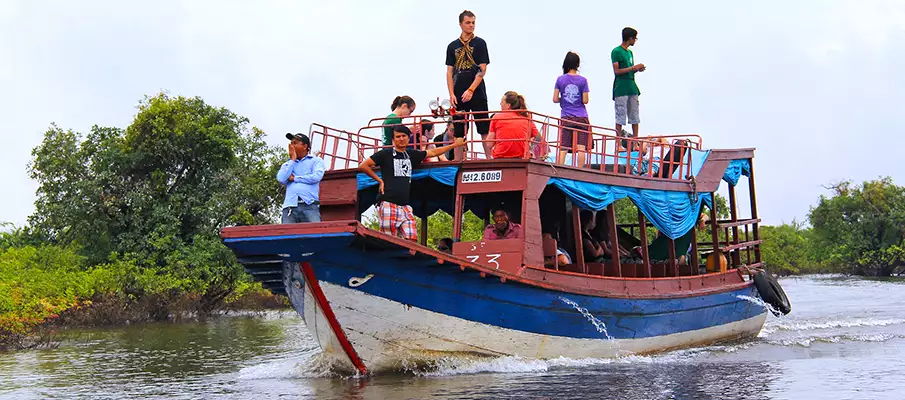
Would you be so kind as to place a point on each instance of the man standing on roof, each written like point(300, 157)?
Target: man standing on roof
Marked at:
point(302, 176)
point(466, 66)
point(396, 165)
point(625, 91)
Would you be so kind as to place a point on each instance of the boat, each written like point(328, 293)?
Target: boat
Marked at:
point(377, 302)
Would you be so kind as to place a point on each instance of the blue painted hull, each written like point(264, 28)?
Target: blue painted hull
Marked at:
point(446, 290)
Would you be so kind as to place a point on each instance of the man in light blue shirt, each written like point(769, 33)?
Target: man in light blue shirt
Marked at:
point(302, 176)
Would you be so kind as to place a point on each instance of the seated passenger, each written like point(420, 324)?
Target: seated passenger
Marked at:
point(445, 245)
point(501, 228)
point(591, 248)
point(561, 257)
point(511, 130)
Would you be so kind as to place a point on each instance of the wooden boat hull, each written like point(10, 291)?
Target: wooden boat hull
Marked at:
point(376, 309)
point(390, 335)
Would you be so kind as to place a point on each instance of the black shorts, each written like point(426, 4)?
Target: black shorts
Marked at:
point(482, 121)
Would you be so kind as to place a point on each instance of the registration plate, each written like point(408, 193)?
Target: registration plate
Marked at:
point(482, 176)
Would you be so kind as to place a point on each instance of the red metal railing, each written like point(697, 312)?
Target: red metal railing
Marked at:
point(651, 156)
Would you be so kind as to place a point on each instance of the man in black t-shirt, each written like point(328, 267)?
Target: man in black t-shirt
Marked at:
point(466, 65)
point(396, 165)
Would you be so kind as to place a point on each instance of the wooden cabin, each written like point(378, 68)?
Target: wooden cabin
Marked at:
point(544, 195)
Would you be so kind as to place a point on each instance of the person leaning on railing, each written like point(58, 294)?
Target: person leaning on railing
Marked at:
point(510, 131)
point(394, 188)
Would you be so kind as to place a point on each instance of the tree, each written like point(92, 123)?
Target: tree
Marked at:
point(861, 227)
point(158, 191)
point(787, 248)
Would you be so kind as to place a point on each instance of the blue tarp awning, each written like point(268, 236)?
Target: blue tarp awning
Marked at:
point(436, 191)
point(673, 213)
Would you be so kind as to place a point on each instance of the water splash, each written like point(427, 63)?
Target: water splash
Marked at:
point(833, 324)
point(762, 303)
point(598, 324)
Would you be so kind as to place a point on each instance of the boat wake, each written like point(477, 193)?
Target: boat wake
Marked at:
point(780, 333)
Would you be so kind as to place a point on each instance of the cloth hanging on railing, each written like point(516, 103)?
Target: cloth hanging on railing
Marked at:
point(736, 169)
point(673, 213)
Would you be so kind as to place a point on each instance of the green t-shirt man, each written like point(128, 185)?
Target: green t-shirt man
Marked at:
point(624, 85)
point(390, 121)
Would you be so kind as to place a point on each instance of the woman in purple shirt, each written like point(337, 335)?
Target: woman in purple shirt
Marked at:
point(571, 92)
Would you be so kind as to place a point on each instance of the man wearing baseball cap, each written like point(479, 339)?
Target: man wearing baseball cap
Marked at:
point(302, 176)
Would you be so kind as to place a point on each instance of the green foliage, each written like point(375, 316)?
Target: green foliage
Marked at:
point(787, 249)
point(861, 228)
point(137, 211)
point(37, 283)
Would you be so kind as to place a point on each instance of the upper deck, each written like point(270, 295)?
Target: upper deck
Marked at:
point(675, 162)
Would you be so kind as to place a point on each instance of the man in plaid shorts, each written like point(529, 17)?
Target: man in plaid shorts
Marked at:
point(396, 165)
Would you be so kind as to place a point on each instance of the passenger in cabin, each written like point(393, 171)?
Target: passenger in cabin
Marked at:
point(561, 258)
point(510, 131)
point(592, 249)
point(445, 245)
point(502, 228)
point(402, 107)
point(302, 176)
point(571, 92)
point(625, 90)
point(466, 65)
point(396, 165)
point(445, 137)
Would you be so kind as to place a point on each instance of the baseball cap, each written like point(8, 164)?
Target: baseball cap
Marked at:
point(299, 136)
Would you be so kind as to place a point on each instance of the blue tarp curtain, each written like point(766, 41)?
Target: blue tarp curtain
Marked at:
point(438, 191)
point(736, 169)
point(444, 175)
point(673, 213)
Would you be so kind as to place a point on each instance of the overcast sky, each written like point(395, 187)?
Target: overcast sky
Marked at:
point(817, 87)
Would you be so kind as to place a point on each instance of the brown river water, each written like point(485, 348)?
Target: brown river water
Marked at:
point(845, 339)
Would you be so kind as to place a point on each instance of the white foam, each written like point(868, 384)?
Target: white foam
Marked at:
point(806, 325)
point(808, 341)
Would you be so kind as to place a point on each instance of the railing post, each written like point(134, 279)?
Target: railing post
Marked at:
point(714, 227)
point(754, 227)
point(457, 218)
point(424, 222)
point(579, 246)
point(614, 237)
point(733, 215)
point(673, 264)
point(645, 258)
point(695, 263)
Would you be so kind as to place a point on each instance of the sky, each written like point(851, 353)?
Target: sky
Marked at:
point(816, 86)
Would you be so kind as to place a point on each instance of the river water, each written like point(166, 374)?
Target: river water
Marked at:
point(845, 339)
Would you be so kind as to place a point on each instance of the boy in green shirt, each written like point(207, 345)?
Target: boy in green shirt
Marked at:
point(625, 91)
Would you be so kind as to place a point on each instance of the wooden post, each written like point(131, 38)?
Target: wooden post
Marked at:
point(673, 264)
point(576, 230)
point(695, 265)
point(714, 226)
point(614, 237)
point(645, 258)
point(457, 218)
point(754, 227)
point(733, 214)
point(747, 249)
point(424, 222)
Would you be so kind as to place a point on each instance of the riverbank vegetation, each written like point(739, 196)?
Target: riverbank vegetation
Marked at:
point(126, 221)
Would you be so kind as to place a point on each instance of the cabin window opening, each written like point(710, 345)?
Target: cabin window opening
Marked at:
point(479, 209)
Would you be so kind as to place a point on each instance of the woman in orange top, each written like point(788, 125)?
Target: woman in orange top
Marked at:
point(513, 127)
